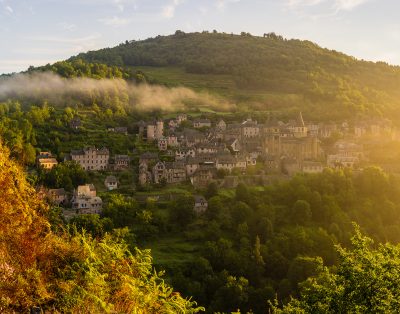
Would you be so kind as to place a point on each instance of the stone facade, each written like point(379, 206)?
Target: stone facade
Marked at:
point(91, 158)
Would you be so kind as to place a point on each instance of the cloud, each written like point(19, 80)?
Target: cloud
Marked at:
point(347, 5)
point(335, 5)
point(169, 10)
point(9, 10)
point(296, 3)
point(68, 27)
point(221, 4)
point(115, 21)
point(121, 5)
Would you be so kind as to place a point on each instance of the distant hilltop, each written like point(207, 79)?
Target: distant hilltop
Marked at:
point(258, 73)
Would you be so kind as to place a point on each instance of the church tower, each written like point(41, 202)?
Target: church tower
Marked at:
point(300, 129)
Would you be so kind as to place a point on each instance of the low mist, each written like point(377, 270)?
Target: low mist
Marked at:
point(106, 92)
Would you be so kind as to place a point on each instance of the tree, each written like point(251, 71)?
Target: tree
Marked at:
point(181, 211)
point(303, 267)
point(367, 280)
point(70, 272)
point(67, 175)
point(122, 211)
point(92, 224)
point(301, 212)
point(240, 212)
point(232, 296)
point(212, 190)
point(242, 193)
point(28, 154)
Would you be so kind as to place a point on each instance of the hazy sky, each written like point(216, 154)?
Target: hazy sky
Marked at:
point(37, 32)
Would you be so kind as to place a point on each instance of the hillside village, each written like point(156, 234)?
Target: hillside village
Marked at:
point(198, 151)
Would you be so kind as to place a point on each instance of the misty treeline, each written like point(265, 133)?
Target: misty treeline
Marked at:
point(79, 83)
point(256, 244)
point(290, 72)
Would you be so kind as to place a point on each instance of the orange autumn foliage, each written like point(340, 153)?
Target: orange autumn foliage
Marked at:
point(70, 273)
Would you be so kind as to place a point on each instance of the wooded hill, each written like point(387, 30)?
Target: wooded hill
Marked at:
point(264, 73)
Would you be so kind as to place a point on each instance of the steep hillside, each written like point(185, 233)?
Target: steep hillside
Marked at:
point(266, 73)
point(69, 273)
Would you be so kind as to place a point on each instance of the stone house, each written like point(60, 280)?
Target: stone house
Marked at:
point(91, 158)
point(306, 148)
point(145, 176)
point(173, 124)
point(342, 161)
point(249, 129)
point(148, 157)
point(221, 125)
point(200, 204)
point(151, 131)
point(203, 176)
point(206, 148)
point(162, 144)
point(201, 123)
point(159, 172)
point(194, 139)
point(312, 167)
point(176, 172)
point(234, 145)
point(312, 128)
point(85, 201)
point(346, 148)
point(241, 163)
point(111, 183)
point(183, 153)
point(192, 164)
point(172, 140)
point(271, 163)
point(46, 160)
point(251, 159)
point(327, 130)
point(181, 117)
point(232, 132)
point(226, 162)
point(121, 162)
point(171, 172)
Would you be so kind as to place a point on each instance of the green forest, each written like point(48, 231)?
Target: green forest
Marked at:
point(267, 73)
point(254, 244)
point(312, 243)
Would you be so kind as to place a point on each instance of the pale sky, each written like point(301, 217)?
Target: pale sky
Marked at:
point(37, 32)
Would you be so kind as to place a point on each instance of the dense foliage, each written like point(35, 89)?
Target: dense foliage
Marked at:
point(79, 68)
point(287, 73)
point(366, 281)
point(258, 243)
point(70, 272)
